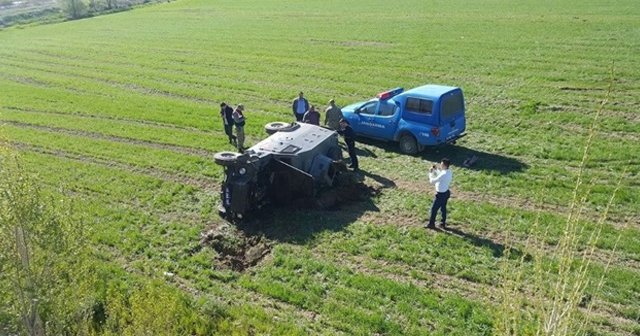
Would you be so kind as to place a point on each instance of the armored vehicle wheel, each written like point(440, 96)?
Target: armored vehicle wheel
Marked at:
point(408, 144)
point(225, 158)
point(275, 126)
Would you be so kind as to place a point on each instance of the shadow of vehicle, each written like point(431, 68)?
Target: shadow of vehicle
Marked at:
point(299, 222)
point(243, 244)
point(483, 161)
point(458, 155)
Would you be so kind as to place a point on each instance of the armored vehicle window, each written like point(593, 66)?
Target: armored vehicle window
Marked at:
point(452, 105)
point(421, 106)
point(387, 108)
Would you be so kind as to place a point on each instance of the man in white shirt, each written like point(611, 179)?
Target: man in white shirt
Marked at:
point(441, 178)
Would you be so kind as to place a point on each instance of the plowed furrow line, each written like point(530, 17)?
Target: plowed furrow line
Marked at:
point(132, 141)
point(199, 182)
point(474, 291)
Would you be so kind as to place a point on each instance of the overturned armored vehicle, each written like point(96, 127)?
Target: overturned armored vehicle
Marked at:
point(294, 163)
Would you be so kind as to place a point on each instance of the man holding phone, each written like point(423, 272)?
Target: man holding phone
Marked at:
point(441, 178)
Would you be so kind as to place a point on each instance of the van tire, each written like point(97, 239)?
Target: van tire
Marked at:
point(408, 144)
point(225, 158)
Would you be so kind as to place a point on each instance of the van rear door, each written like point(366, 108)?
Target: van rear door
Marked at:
point(452, 120)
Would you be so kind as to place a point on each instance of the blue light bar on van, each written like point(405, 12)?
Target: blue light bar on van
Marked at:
point(389, 94)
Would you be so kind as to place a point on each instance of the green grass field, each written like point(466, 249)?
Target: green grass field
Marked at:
point(120, 114)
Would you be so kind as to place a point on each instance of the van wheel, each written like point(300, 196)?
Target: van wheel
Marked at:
point(275, 126)
point(408, 144)
point(225, 158)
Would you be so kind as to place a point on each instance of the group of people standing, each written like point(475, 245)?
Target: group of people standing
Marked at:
point(231, 117)
point(303, 112)
point(333, 119)
point(439, 175)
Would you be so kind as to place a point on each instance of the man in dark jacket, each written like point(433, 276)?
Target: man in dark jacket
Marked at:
point(350, 139)
point(312, 116)
point(300, 106)
point(226, 112)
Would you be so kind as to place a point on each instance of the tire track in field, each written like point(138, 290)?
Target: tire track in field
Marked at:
point(141, 122)
point(144, 122)
point(619, 222)
point(389, 270)
point(409, 219)
point(123, 86)
point(192, 78)
point(235, 294)
point(599, 255)
point(113, 138)
point(471, 290)
point(199, 182)
point(144, 90)
point(519, 203)
point(443, 281)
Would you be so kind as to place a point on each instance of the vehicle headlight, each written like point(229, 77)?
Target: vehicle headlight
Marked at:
point(242, 171)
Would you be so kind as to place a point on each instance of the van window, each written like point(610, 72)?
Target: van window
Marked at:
point(369, 108)
point(421, 106)
point(387, 109)
point(452, 105)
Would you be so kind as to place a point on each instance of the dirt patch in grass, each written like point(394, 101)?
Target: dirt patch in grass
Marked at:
point(235, 249)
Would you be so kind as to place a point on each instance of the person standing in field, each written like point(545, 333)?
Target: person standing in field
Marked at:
point(350, 139)
point(239, 120)
point(332, 116)
point(226, 112)
point(441, 178)
point(300, 106)
point(312, 116)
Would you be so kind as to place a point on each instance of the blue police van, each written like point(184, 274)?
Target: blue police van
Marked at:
point(428, 115)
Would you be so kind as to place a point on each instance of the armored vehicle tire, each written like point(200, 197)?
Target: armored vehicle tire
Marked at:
point(275, 126)
point(408, 144)
point(225, 158)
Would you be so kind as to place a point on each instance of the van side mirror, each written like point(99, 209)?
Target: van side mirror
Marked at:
point(357, 111)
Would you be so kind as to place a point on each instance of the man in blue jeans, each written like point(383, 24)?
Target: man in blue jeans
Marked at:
point(441, 178)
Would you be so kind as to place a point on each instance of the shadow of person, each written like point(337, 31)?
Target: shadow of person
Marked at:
point(360, 152)
point(496, 248)
point(365, 152)
point(385, 182)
